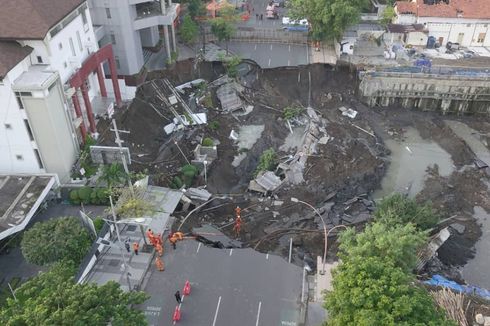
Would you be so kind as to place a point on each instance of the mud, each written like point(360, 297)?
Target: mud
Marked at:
point(340, 178)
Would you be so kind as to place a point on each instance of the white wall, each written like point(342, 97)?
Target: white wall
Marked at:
point(15, 141)
point(61, 59)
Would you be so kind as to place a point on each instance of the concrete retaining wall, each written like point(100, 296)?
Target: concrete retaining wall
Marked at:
point(428, 92)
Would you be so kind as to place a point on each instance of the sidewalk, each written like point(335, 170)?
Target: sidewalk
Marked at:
point(325, 55)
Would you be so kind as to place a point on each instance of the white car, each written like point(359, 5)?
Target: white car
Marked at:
point(289, 21)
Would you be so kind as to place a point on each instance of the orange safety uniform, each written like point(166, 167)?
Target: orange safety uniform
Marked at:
point(238, 212)
point(179, 235)
point(159, 264)
point(159, 249)
point(136, 247)
point(151, 236)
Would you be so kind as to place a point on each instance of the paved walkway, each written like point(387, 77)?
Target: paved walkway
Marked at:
point(325, 55)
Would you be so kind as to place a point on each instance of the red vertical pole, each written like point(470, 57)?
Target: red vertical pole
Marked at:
point(78, 112)
point(115, 83)
point(100, 77)
point(88, 107)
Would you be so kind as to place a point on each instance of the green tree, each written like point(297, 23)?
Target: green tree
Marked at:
point(267, 161)
point(374, 283)
point(388, 15)
point(132, 204)
point(54, 298)
point(398, 209)
point(113, 174)
point(372, 291)
point(54, 240)
point(196, 8)
point(189, 30)
point(328, 18)
point(223, 29)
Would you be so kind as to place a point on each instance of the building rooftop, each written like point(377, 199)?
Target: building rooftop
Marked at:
point(32, 19)
point(20, 197)
point(470, 9)
point(36, 77)
point(11, 53)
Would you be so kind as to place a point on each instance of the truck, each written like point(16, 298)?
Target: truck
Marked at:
point(271, 11)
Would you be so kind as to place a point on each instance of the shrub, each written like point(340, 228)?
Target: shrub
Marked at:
point(213, 125)
point(98, 224)
point(207, 142)
point(74, 199)
point(55, 240)
point(176, 183)
point(267, 161)
point(291, 112)
point(189, 172)
point(84, 194)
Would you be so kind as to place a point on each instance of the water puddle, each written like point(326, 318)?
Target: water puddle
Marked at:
point(409, 162)
point(471, 137)
point(247, 137)
point(475, 272)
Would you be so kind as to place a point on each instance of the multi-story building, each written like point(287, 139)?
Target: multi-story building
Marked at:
point(131, 25)
point(52, 84)
point(457, 21)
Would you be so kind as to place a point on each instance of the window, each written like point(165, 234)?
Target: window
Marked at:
point(60, 46)
point(468, 25)
point(28, 128)
point(38, 158)
point(72, 47)
point(481, 37)
point(108, 13)
point(65, 64)
point(113, 38)
point(39, 59)
point(8, 126)
point(79, 39)
point(19, 157)
point(19, 101)
point(84, 16)
point(118, 64)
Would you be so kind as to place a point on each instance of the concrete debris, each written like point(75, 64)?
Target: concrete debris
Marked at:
point(460, 228)
point(191, 84)
point(211, 236)
point(480, 164)
point(277, 203)
point(348, 112)
point(178, 124)
point(233, 135)
point(198, 194)
point(265, 182)
point(228, 97)
point(204, 154)
point(430, 251)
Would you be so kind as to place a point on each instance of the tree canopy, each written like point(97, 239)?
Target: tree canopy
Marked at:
point(223, 29)
point(54, 298)
point(54, 240)
point(398, 209)
point(374, 283)
point(328, 18)
point(113, 174)
point(189, 30)
point(196, 8)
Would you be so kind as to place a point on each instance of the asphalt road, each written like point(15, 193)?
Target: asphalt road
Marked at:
point(230, 287)
point(271, 55)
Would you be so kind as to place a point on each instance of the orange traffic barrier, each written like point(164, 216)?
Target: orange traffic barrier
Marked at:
point(176, 316)
point(187, 288)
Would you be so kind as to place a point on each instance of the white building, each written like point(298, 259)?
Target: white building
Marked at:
point(131, 25)
point(52, 85)
point(458, 21)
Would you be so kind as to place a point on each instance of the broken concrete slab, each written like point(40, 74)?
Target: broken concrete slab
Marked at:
point(198, 194)
point(211, 236)
point(435, 243)
point(268, 180)
point(460, 228)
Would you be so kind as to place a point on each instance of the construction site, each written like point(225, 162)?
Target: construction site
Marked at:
point(278, 142)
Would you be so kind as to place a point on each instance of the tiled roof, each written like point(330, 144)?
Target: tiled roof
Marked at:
point(31, 19)
point(471, 9)
point(11, 53)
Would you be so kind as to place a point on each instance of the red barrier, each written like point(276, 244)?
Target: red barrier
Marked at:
point(176, 316)
point(187, 288)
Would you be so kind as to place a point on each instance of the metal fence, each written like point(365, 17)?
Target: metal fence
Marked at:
point(265, 35)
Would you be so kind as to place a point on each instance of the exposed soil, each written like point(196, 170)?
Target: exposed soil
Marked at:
point(339, 178)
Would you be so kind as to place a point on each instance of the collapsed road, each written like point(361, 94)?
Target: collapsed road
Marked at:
point(352, 156)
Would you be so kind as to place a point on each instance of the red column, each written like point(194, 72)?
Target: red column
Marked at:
point(100, 77)
point(78, 112)
point(115, 84)
point(88, 107)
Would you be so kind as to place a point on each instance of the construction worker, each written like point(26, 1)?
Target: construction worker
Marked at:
point(238, 226)
point(159, 264)
point(127, 244)
point(179, 235)
point(159, 249)
point(150, 236)
point(238, 212)
point(136, 247)
point(173, 241)
point(158, 238)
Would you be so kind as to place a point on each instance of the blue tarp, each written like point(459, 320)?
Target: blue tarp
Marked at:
point(438, 280)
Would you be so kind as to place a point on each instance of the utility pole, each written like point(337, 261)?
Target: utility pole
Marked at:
point(119, 142)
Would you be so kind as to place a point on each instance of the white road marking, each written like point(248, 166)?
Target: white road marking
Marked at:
point(289, 47)
point(267, 256)
point(198, 247)
point(255, 47)
point(231, 251)
point(216, 313)
point(271, 47)
point(288, 63)
point(269, 62)
point(258, 314)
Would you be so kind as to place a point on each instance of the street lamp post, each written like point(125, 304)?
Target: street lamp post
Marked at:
point(325, 235)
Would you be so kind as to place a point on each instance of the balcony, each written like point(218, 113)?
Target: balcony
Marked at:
point(150, 14)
